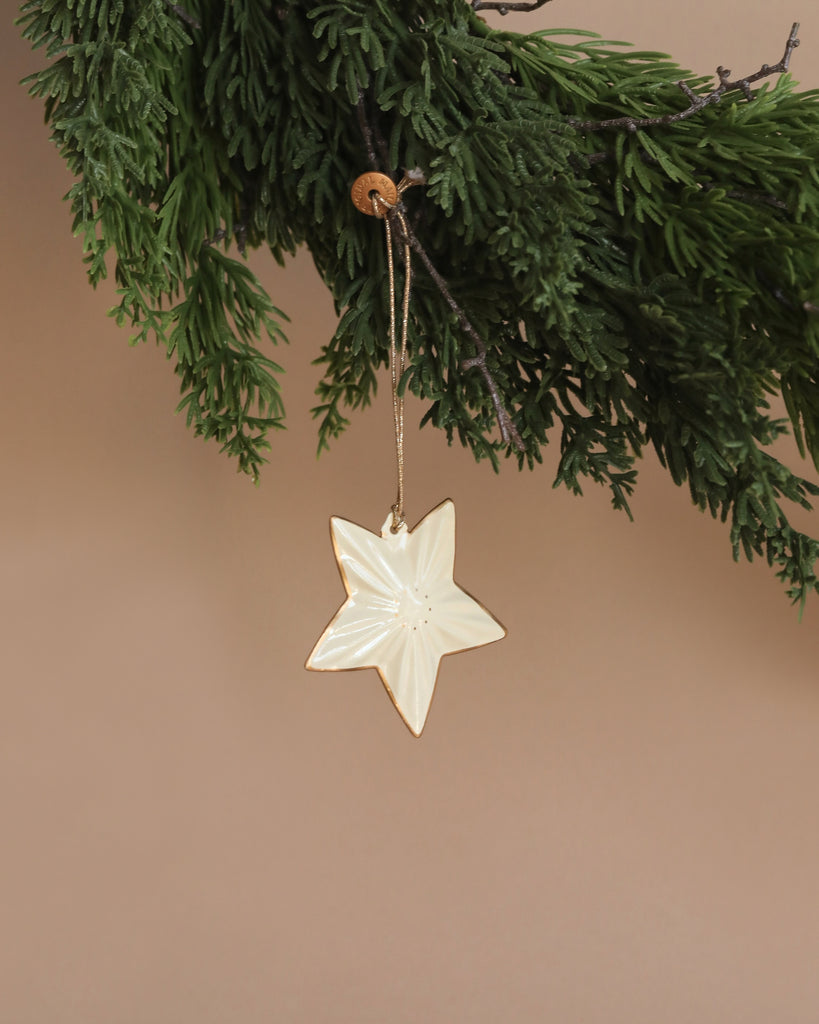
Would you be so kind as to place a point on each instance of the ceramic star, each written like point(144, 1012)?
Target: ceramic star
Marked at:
point(404, 611)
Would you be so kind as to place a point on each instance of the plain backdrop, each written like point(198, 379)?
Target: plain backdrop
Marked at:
point(611, 817)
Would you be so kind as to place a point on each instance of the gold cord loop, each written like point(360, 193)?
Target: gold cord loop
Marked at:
point(384, 202)
point(398, 355)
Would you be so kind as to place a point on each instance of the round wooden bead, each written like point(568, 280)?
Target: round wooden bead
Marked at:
point(365, 185)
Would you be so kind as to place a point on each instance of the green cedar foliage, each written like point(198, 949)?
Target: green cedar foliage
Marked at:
point(636, 288)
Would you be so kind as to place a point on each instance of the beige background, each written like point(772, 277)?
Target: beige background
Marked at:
point(612, 815)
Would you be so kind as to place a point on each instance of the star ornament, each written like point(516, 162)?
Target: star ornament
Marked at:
point(404, 611)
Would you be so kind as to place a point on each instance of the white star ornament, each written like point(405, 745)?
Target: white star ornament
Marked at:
point(404, 611)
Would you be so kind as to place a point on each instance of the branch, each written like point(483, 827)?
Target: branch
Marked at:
point(219, 236)
point(183, 15)
point(486, 5)
point(239, 233)
point(508, 430)
point(366, 131)
point(698, 103)
point(762, 198)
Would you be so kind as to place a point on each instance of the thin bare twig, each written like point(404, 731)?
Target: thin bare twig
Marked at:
point(183, 15)
point(488, 5)
point(239, 233)
point(219, 236)
point(761, 198)
point(698, 103)
point(373, 139)
point(598, 158)
point(366, 131)
point(508, 431)
point(381, 146)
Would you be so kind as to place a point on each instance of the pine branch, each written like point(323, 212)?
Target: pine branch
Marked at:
point(655, 294)
point(698, 103)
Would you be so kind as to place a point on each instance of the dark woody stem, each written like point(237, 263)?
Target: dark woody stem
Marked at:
point(490, 5)
point(698, 103)
point(508, 431)
point(183, 15)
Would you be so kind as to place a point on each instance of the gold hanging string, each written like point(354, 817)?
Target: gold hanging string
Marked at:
point(398, 355)
point(377, 194)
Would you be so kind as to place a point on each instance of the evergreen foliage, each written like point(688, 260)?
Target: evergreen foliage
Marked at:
point(646, 287)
